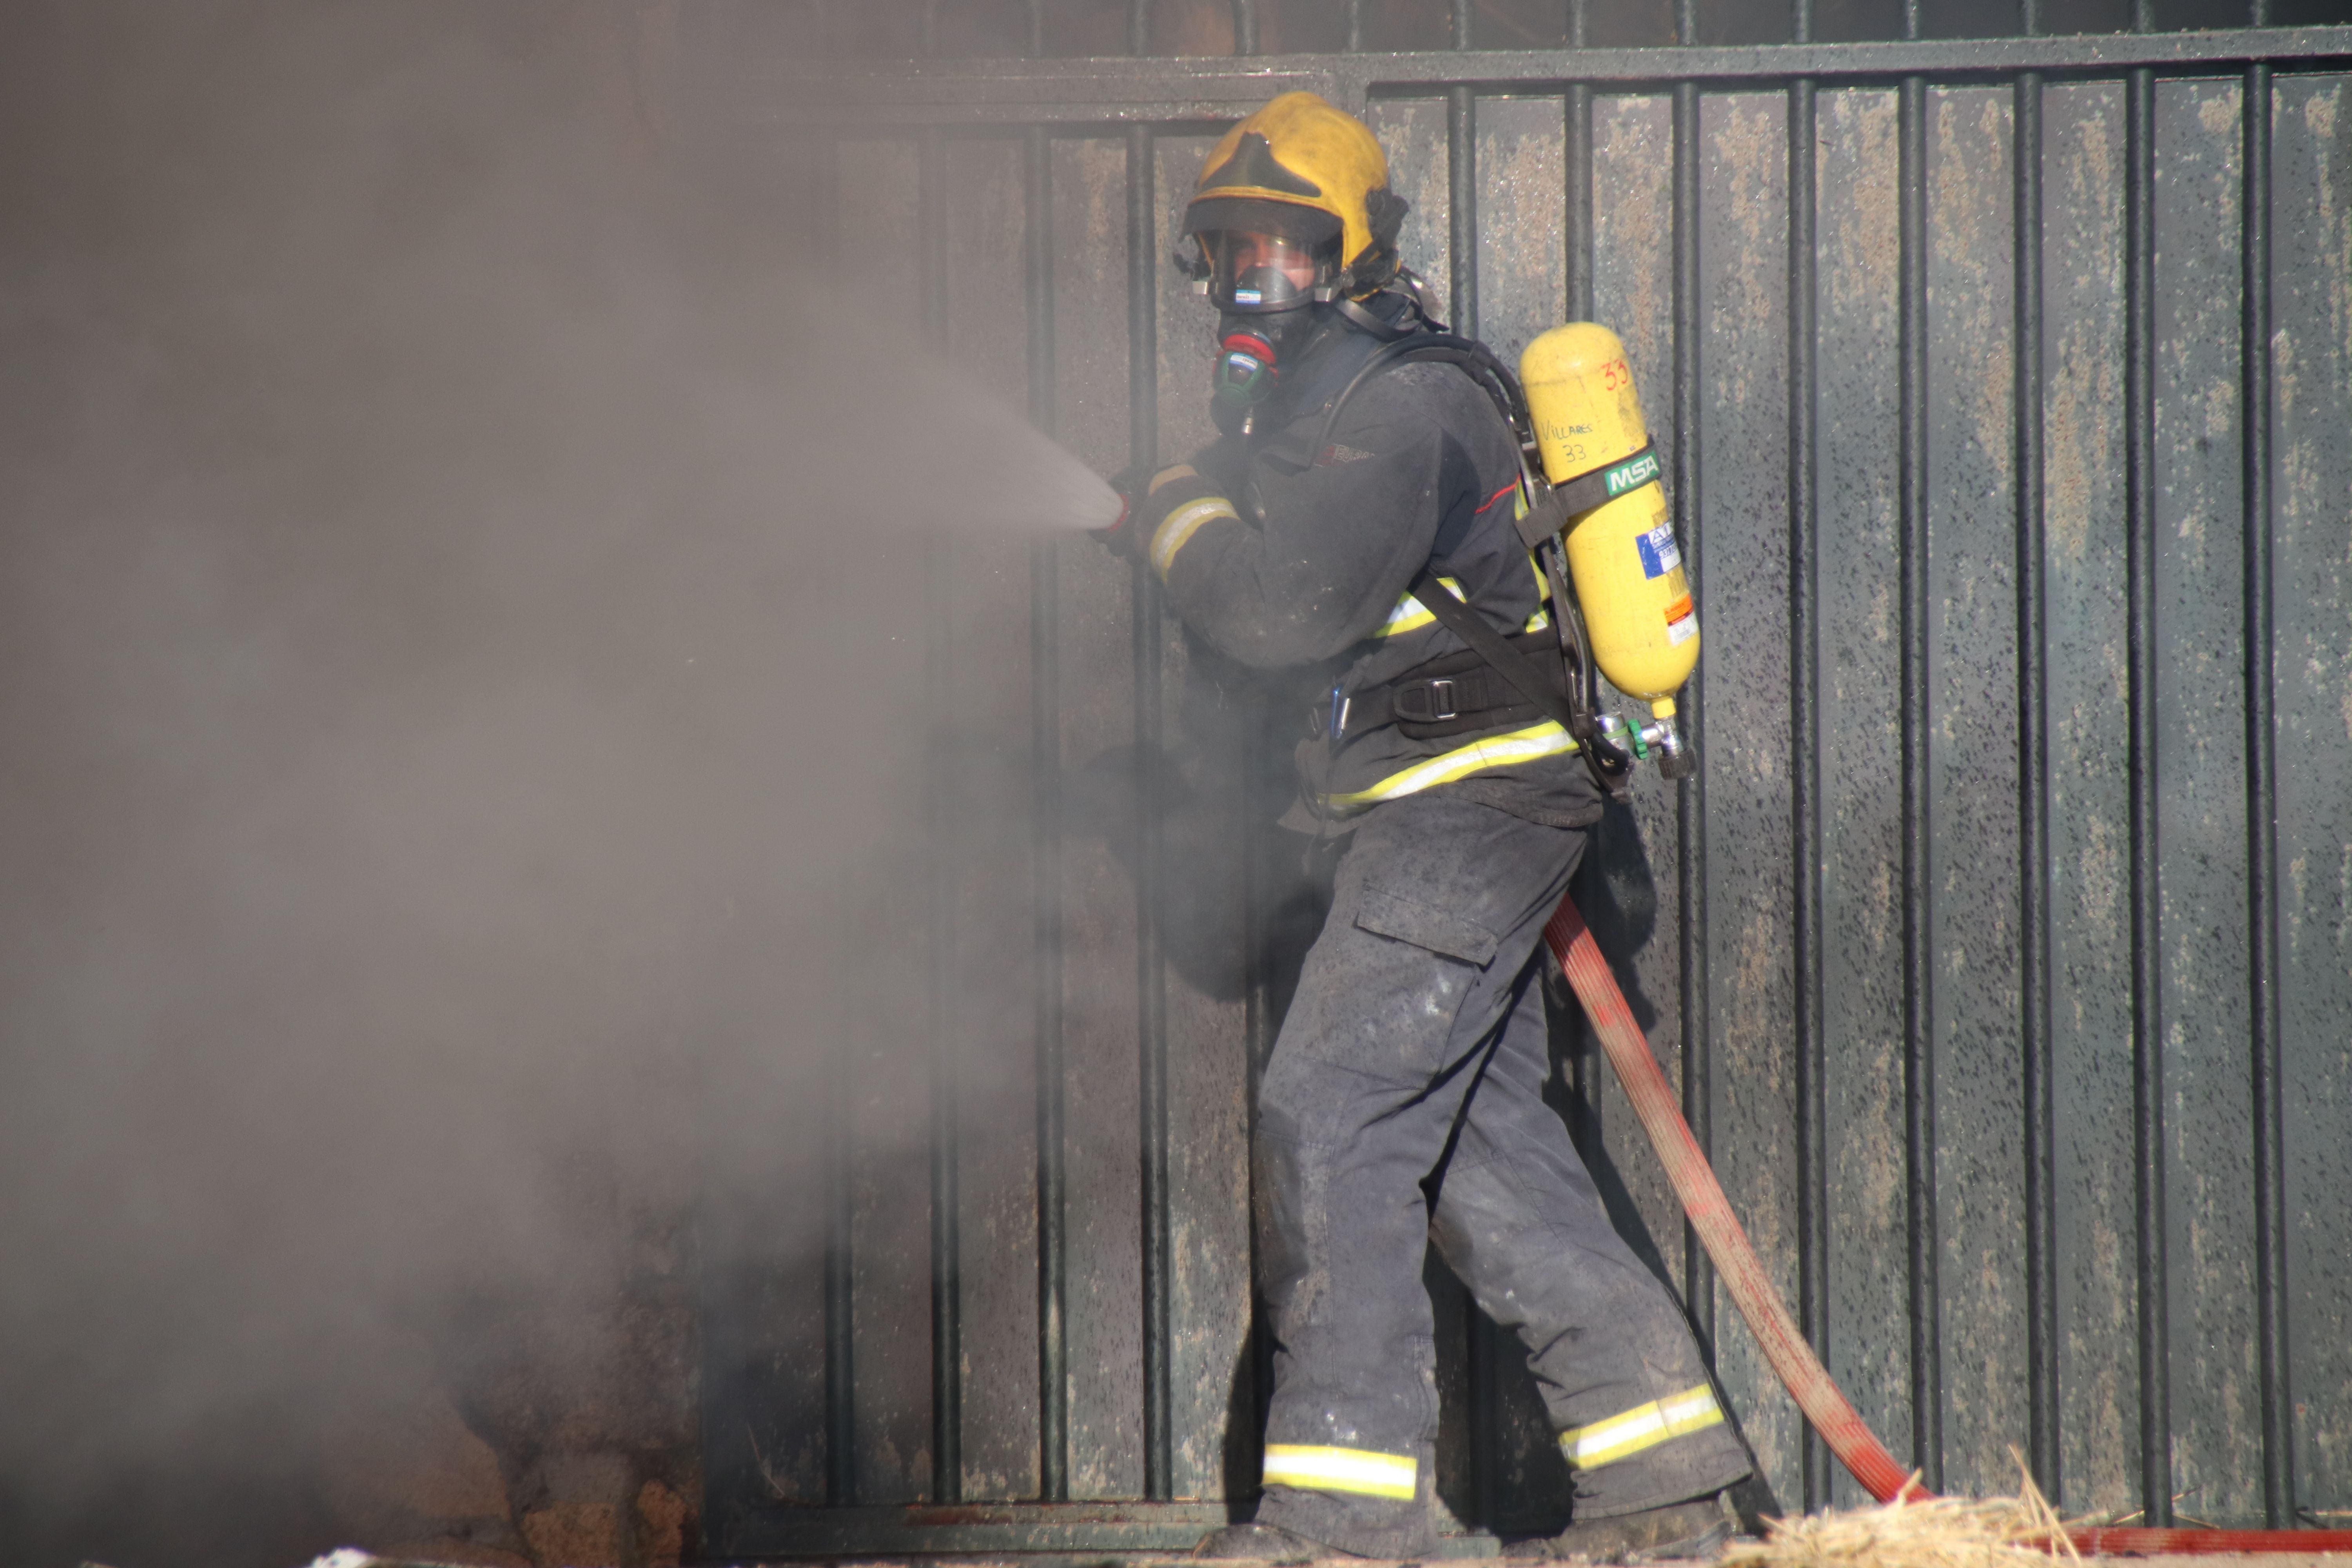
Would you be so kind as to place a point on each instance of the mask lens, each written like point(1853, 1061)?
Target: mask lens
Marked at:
point(1262, 271)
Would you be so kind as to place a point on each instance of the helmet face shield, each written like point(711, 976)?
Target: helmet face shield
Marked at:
point(1250, 272)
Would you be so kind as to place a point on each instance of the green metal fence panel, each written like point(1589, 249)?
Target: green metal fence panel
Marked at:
point(2001, 948)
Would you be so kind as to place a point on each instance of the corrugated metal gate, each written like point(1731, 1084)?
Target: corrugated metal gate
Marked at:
point(2002, 944)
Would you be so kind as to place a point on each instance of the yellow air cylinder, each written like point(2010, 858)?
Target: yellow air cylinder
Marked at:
point(1622, 553)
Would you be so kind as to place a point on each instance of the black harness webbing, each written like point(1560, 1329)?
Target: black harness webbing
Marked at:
point(1452, 694)
point(1539, 525)
point(1491, 646)
point(1609, 481)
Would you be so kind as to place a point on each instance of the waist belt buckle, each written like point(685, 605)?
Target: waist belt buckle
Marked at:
point(1441, 701)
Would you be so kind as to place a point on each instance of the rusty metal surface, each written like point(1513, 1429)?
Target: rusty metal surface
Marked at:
point(2311, 273)
point(769, 1372)
point(2201, 828)
point(768, 87)
point(2083, 264)
point(988, 1012)
point(1097, 900)
point(1856, 411)
point(1973, 786)
point(1742, 521)
point(1636, 857)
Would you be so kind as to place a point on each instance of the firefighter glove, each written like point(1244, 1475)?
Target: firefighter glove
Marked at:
point(1177, 503)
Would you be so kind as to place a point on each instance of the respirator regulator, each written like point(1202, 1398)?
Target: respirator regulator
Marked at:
point(1246, 369)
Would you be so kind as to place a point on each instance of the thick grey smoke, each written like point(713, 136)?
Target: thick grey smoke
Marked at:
point(460, 616)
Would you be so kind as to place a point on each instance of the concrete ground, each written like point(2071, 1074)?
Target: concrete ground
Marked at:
point(2213, 1560)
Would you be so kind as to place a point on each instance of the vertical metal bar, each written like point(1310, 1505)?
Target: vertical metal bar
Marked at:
point(1579, 236)
point(1577, 112)
point(1355, 43)
point(1244, 27)
point(1259, 744)
point(2037, 1063)
point(1152, 1030)
point(1462, 21)
point(1138, 26)
point(1805, 748)
point(1045, 781)
point(1690, 804)
point(2262, 821)
point(840, 1195)
point(2036, 1067)
point(1584, 1066)
point(1484, 1353)
point(946, 1303)
point(2148, 1036)
point(1577, 128)
point(1578, 150)
point(1919, 999)
point(1036, 33)
point(1461, 205)
point(840, 1299)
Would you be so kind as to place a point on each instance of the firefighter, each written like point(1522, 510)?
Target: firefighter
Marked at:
point(1404, 1101)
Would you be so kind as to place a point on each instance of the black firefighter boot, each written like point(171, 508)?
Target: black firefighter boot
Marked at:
point(1264, 1543)
point(1698, 1528)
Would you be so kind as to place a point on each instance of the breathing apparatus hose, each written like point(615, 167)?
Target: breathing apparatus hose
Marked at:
point(1784, 1345)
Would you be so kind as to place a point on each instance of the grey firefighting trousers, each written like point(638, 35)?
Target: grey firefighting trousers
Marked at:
point(1414, 1057)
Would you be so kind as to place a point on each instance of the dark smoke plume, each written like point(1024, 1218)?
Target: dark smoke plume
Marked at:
point(427, 518)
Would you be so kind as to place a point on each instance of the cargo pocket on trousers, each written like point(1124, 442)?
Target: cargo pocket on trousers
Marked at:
point(1424, 925)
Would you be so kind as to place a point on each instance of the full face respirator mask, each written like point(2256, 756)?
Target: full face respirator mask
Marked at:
point(1267, 288)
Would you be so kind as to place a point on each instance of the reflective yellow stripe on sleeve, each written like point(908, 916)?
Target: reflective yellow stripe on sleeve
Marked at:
point(1181, 524)
point(1410, 614)
point(1643, 1426)
point(1358, 1470)
point(1544, 740)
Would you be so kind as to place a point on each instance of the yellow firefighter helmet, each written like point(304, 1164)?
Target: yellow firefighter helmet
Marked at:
point(1311, 174)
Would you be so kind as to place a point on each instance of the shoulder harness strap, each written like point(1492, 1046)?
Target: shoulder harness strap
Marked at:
point(1547, 511)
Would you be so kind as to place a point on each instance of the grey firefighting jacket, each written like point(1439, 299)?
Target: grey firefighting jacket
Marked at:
point(1305, 559)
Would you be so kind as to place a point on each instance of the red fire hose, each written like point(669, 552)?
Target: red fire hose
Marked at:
point(1809, 1382)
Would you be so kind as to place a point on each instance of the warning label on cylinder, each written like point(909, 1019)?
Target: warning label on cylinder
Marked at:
point(1660, 554)
point(1682, 621)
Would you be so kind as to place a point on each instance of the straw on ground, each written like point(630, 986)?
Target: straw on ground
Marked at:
point(2020, 1531)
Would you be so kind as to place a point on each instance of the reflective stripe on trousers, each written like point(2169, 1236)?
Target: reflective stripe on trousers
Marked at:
point(1628, 1433)
point(1417, 1042)
point(1362, 1471)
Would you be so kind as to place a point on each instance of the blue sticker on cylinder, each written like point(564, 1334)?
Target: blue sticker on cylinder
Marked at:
point(1660, 554)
